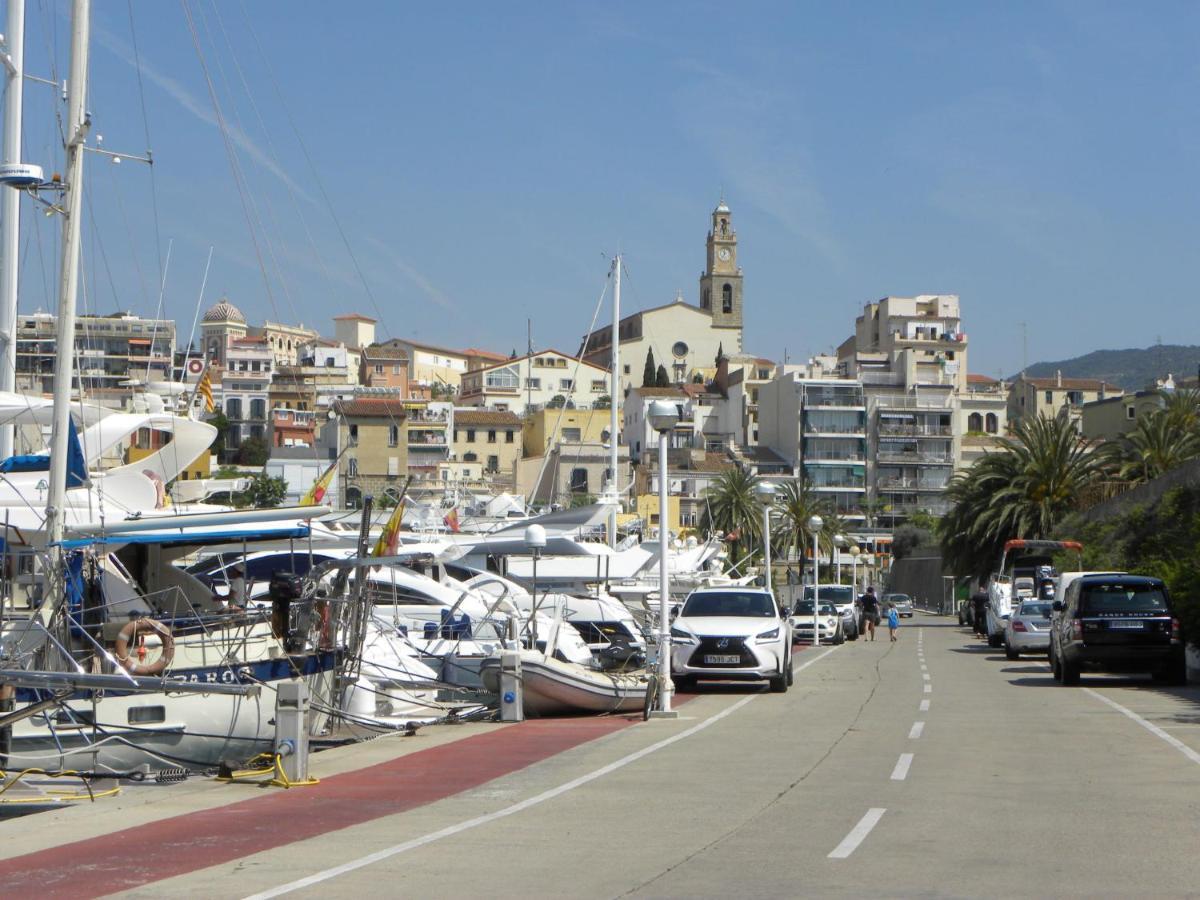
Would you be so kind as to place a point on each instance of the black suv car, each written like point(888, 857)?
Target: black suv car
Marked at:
point(1116, 623)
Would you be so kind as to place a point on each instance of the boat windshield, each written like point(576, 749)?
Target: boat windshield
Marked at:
point(729, 603)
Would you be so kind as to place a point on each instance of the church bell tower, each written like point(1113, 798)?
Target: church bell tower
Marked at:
point(721, 281)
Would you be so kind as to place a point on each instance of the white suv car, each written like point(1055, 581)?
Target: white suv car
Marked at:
point(732, 634)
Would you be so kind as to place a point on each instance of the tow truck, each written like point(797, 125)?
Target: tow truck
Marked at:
point(1025, 567)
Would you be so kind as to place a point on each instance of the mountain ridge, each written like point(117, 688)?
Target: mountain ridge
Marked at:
point(1133, 369)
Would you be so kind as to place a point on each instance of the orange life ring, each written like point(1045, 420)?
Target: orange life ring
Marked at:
point(132, 663)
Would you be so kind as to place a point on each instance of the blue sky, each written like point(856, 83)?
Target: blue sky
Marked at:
point(1039, 160)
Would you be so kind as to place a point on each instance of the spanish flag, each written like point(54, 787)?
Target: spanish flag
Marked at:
point(204, 389)
point(451, 520)
point(316, 493)
point(389, 539)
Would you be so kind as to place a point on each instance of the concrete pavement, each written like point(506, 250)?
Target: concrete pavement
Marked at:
point(929, 767)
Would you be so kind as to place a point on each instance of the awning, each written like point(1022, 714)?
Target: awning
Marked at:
point(190, 538)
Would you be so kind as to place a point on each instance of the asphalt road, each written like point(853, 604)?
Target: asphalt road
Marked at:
point(928, 767)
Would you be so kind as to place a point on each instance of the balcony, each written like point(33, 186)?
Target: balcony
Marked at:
point(915, 459)
point(914, 430)
point(909, 484)
point(853, 430)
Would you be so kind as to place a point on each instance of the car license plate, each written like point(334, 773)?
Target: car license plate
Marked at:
point(1126, 624)
point(722, 659)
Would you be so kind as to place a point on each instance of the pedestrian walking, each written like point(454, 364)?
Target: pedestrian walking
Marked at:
point(870, 611)
point(893, 620)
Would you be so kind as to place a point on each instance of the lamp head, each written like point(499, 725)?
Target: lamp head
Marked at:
point(765, 491)
point(663, 415)
point(840, 540)
point(816, 523)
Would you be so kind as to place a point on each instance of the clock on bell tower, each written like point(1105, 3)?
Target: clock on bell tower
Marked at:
point(721, 281)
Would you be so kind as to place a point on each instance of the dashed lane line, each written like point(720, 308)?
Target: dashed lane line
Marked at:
point(928, 688)
point(915, 731)
point(924, 706)
point(857, 834)
point(901, 771)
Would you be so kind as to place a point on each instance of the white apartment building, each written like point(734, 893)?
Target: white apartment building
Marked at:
point(246, 387)
point(534, 381)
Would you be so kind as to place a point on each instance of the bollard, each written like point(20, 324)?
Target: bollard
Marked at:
point(512, 701)
point(291, 730)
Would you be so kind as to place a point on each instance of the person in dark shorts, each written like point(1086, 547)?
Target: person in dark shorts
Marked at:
point(870, 611)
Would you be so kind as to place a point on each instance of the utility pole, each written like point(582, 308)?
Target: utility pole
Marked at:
point(614, 404)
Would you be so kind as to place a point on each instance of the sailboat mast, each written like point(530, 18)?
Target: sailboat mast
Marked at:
point(10, 208)
point(614, 403)
point(68, 285)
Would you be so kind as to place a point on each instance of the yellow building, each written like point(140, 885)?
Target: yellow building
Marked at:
point(485, 443)
point(647, 511)
point(588, 426)
point(374, 432)
point(200, 467)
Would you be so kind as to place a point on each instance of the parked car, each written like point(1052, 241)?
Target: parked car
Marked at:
point(903, 602)
point(1116, 623)
point(732, 634)
point(829, 622)
point(1028, 629)
point(841, 596)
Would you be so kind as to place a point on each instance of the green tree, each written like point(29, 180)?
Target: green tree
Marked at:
point(252, 452)
point(265, 491)
point(649, 371)
point(732, 508)
point(556, 402)
point(219, 421)
point(604, 401)
point(1159, 442)
point(662, 379)
point(797, 503)
point(1021, 491)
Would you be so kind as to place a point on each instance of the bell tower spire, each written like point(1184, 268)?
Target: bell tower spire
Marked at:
point(721, 281)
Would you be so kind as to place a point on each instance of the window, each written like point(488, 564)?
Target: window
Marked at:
point(233, 408)
point(352, 467)
point(1049, 396)
point(993, 424)
point(395, 370)
point(705, 302)
point(493, 464)
point(597, 385)
point(146, 715)
point(1075, 398)
point(572, 434)
point(566, 384)
point(379, 369)
point(975, 422)
point(534, 384)
point(393, 435)
point(470, 457)
point(727, 298)
point(626, 369)
point(579, 481)
point(354, 432)
point(1130, 412)
point(508, 436)
point(491, 435)
point(470, 435)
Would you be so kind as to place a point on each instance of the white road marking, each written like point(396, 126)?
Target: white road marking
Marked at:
point(901, 771)
point(924, 668)
point(1149, 726)
point(924, 706)
point(535, 800)
point(925, 675)
point(928, 688)
point(915, 731)
point(857, 834)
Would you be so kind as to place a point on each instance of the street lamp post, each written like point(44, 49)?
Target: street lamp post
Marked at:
point(766, 496)
point(535, 540)
point(838, 541)
point(663, 417)
point(814, 525)
point(854, 551)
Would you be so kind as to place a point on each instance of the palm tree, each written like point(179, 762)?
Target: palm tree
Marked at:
point(1160, 441)
point(1021, 491)
point(734, 509)
point(797, 503)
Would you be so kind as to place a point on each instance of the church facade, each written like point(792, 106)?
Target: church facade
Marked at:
point(683, 338)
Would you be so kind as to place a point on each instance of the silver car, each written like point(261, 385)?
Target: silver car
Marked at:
point(1028, 629)
point(902, 602)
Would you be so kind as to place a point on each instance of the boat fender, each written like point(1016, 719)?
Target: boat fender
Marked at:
point(134, 634)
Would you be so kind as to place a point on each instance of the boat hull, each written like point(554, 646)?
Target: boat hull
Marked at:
point(554, 688)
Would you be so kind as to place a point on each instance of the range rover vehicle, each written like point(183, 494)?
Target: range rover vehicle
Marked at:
point(1116, 623)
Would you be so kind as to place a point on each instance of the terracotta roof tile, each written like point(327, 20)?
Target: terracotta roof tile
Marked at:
point(486, 417)
point(973, 378)
point(381, 407)
point(357, 317)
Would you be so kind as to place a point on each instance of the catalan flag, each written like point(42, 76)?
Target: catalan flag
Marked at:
point(389, 539)
point(451, 520)
point(316, 493)
point(204, 389)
